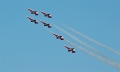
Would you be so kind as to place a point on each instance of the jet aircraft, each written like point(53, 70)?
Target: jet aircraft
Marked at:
point(58, 37)
point(70, 49)
point(33, 12)
point(46, 14)
point(45, 24)
point(32, 20)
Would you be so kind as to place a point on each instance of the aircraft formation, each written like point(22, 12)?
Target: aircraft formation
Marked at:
point(48, 25)
point(95, 53)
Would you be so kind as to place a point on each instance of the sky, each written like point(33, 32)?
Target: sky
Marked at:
point(29, 47)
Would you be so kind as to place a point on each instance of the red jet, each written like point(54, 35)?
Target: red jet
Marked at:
point(58, 37)
point(32, 20)
point(45, 24)
point(33, 12)
point(45, 14)
point(70, 49)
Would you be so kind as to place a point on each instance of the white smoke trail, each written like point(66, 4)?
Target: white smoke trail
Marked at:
point(105, 57)
point(98, 43)
point(50, 31)
point(81, 42)
point(115, 64)
point(92, 40)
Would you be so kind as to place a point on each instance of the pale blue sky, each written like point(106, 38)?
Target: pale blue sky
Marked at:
point(26, 47)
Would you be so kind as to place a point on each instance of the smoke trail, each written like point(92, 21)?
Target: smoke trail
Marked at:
point(102, 59)
point(92, 40)
point(93, 49)
point(98, 43)
point(50, 31)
